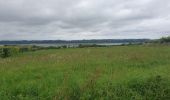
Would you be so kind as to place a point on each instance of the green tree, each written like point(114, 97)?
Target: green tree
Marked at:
point(165, 39)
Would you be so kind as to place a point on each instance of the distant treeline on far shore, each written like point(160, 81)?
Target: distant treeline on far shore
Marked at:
point(74, 41)
point(10, 48)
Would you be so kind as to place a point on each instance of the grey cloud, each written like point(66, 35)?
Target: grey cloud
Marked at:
point(83, 19)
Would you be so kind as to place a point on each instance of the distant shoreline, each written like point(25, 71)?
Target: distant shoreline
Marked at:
point(59, 42)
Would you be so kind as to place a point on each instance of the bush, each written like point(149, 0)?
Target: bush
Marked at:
point(1, 52)
point(90, 45)
point(23, 49)
point(8, 51)
point(5, 52)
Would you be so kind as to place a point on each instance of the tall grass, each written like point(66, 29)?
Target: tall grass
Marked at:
point(117, 73)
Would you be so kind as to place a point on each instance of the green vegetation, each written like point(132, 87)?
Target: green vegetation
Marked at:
point(163, 40)
point(105, 73)
point(7, 51)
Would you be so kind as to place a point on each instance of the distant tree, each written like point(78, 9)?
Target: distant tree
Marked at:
point(165, 39)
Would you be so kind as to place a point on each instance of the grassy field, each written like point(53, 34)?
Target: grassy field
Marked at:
point(108, 73)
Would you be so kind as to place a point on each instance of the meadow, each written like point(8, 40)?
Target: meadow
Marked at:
point(95, 73)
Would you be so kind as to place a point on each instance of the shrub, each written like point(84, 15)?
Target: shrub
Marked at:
point(8, 51)
point(1, 52)
point(23, 49)
point(5, 52)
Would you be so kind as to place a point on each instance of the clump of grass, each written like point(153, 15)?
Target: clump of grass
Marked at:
point(154, 88)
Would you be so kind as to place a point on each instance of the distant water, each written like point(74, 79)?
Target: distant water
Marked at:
point(70, 44)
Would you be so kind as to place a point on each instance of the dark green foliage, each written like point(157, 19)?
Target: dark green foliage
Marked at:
point(8, 51)
point(90, 45)
point(5, 52)
point(64, 46)
point(23, 49)
point(165, 39)
point(1, 52)
point(52, 47)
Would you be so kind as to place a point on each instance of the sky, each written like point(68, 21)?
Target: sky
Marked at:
point(83, 19)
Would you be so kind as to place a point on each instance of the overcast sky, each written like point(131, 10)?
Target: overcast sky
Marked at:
point(83, 19)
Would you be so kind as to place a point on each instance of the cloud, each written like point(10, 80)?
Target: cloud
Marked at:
point(83, 19)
